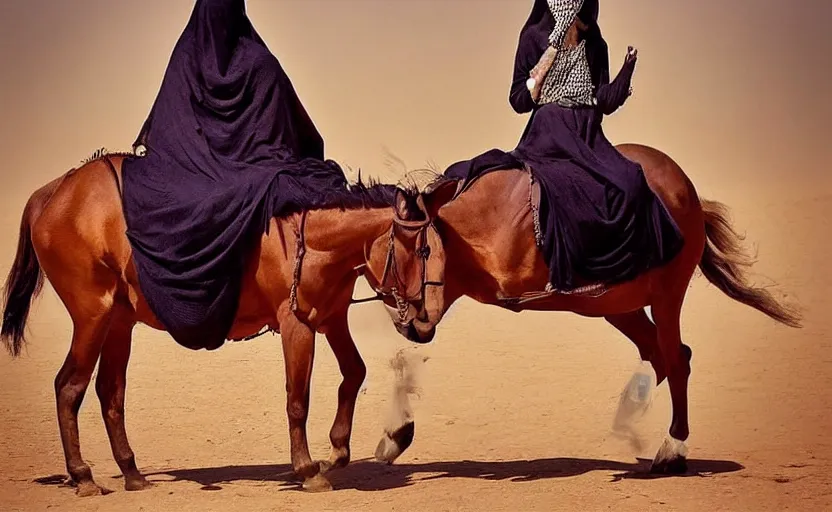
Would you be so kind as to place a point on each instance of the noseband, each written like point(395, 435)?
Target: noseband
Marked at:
point(391, 271)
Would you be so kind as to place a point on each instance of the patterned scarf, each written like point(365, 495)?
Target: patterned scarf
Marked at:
point(569, 81)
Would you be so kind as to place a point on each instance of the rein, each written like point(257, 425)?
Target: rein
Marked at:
point(300, 252)
point(391, 269)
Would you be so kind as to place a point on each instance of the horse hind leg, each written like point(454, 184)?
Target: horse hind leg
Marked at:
point(71, 386)
point(110, 385)
point(639, 329)
point(87, 289)
point(672, 456)
point(637, 396)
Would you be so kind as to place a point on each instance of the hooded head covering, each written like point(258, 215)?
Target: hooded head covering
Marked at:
point(218, 25)
point(225, 87)
point(589, 13)
point(597, 52)
point(541, 23)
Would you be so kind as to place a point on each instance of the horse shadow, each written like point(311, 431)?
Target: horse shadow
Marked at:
point(368, 475)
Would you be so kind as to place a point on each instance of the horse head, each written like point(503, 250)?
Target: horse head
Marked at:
point(407, 268)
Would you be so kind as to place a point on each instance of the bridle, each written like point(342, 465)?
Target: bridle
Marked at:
point(391, 271)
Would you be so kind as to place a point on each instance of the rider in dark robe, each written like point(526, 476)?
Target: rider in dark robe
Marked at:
point(599, 222)
point(228, 145)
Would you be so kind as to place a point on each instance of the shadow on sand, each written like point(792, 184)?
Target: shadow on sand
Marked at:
point(367, 475)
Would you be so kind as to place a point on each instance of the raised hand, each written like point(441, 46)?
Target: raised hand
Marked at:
point(632, 55)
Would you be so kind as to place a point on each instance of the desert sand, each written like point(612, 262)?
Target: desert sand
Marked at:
point(515, 411)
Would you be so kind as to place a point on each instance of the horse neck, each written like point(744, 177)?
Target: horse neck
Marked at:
point(479, 224)
point(346, 232)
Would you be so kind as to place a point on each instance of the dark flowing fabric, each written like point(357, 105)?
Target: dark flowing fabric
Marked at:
point(229, 146)
point(599, 220)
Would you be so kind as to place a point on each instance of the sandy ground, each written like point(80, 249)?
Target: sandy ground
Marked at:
point(515, 412)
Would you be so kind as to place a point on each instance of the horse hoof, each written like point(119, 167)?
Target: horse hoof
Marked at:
point(675, 466)
point(671, 458)
point(137, 484)
point(89, 489)
point(317, 483)
point(333, 463)
point(325, 466)
point(391, 446)
point(387, 450)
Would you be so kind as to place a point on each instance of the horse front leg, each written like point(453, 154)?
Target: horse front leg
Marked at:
point(400, 429)
point(353, 371)
point(299, 354)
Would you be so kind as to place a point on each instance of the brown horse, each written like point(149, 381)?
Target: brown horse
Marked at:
point(490, 255)
point(73, 232)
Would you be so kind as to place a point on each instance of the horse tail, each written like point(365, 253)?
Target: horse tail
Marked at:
point(724, 261)
point(25, 280)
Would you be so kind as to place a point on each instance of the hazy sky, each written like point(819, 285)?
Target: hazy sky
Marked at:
point(734, 90)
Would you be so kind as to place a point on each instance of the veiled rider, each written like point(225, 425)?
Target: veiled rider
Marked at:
point(601, 223)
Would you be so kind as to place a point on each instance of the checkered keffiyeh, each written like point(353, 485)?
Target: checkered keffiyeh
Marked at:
point(564, 12)
point(569, 81)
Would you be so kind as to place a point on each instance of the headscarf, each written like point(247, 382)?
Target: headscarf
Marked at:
point(223, 79)
point(540, 24)
point(564, 13)
point(218, 25)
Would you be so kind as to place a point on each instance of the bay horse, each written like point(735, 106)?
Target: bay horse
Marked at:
point(490, 255)
point(73, 233)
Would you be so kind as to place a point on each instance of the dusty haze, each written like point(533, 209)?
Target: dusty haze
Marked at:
point(515, 410)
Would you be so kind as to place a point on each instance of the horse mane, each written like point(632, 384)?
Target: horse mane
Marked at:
point(102, 152)
point(360, 194)
point(431, 173)
point(375, 194)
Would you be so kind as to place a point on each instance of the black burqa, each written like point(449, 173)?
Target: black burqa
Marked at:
point(599, 220)
point(229, 146)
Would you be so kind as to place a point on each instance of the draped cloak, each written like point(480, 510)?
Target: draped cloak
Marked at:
point(228, 146)
point(600, 223)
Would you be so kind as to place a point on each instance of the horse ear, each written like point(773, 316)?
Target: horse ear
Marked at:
point(438, 196)
point(401, 204)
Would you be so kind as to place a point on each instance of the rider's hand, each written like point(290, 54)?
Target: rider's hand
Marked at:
point(632, 55)
point(630, 59)
point(535, 85)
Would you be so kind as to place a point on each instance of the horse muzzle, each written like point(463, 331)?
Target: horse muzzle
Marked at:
point(414, 334)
